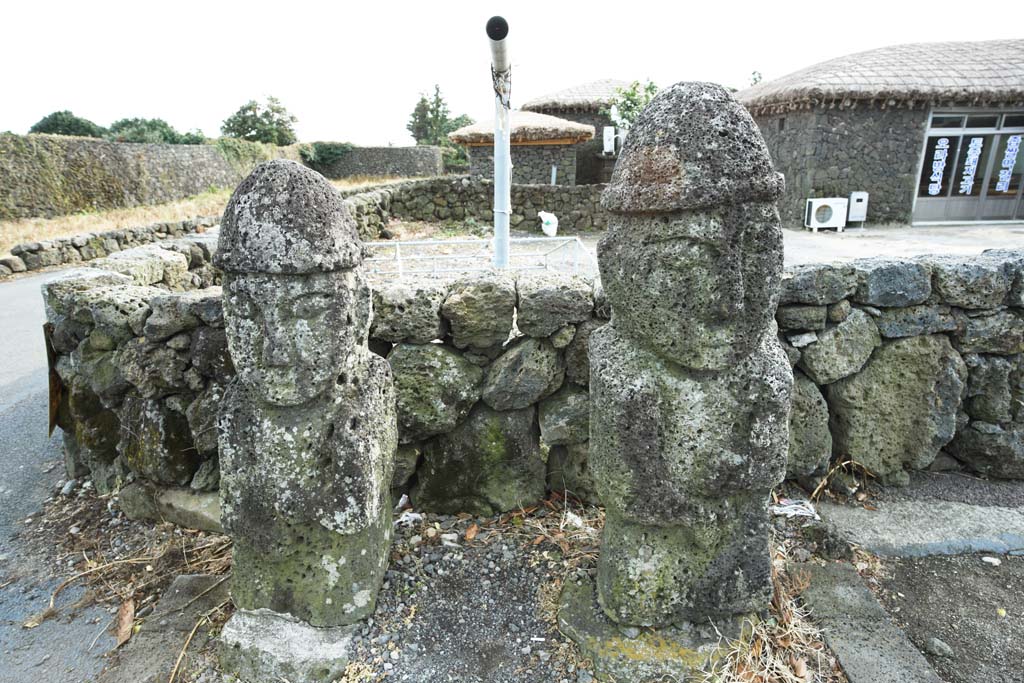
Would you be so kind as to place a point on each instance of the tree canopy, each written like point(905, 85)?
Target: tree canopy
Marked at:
point(255, 122)
point(430, 123)
point(66, 123)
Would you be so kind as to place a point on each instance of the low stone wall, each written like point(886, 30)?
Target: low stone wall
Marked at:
point(93, 245)
point(404, 162)
point(462, 197)
point(900, 365)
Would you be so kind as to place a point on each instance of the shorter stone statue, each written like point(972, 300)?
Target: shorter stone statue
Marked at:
point(308, 429)
point(689, 388)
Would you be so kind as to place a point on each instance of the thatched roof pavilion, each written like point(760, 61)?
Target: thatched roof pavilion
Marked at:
point(593, 96)
point(528, 128)
point(908, 76)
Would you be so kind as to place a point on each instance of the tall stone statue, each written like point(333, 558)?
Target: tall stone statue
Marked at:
point(308, 429)
point(690, 389)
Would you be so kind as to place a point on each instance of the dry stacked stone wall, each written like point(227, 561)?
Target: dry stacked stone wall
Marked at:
point(531, 164)
point(899, 365)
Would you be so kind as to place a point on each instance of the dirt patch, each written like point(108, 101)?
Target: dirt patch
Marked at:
point(975, 608)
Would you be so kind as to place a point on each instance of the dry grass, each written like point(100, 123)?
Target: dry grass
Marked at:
point(210, 203)
point(783, 648)
point(36, 229)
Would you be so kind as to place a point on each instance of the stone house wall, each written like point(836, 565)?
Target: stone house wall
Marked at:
point(899, 365)
point(832, 152)
point(531, 164)
point(591, 166)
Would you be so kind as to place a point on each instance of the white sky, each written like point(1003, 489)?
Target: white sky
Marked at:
point(353, 71)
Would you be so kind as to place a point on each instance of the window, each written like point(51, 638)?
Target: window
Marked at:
point(947, 121)
point(969, 175)
point(936, 171)
point(1013, 121)
point(782, 123)
point(983, 121)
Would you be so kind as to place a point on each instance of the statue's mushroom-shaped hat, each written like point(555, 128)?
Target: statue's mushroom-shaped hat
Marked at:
point(694, 146)
point(287, 219)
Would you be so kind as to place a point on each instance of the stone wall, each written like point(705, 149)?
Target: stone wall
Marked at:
point(531, 164)
point(48, 175)
point(404, 162)
point(591, 166)
point(93, 245)
point(832, 152)
point(434, 199)
point(458, 198)
point(899, 365)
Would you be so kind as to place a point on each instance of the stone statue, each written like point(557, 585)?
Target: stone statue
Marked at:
point(308, 429)
point(689, 386)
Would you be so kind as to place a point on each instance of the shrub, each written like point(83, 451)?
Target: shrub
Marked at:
point(320, 156)
point(242, 154)
point(270, 123)
point(66, 123)
point(152, 130)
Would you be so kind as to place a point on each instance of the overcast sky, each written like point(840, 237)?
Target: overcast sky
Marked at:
point(353, 70)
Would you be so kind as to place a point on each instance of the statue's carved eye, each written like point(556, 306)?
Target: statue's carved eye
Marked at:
point(311, 305)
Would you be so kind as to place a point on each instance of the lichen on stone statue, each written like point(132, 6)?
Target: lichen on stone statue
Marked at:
point(308, 430)
point(690, 389)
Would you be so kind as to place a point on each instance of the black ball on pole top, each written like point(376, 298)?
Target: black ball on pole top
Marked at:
point(497, 28)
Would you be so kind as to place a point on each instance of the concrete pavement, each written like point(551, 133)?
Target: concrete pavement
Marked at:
point(61, 650)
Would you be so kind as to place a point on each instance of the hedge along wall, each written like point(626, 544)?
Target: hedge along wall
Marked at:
point(899, 365)
point(50, 175)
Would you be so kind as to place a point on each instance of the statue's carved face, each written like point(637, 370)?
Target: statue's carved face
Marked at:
point(697, 288)
point(291, 336)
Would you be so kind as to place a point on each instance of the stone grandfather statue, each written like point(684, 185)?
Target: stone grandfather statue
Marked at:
point(308, 429)
point(690, 389)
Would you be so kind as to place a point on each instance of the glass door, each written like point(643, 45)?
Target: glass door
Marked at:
point(973, 169)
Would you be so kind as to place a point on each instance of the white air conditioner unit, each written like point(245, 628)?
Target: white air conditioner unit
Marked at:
point(826, 212)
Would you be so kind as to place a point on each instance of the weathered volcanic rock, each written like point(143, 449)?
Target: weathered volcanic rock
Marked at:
point(898, 411)
point(436, 388)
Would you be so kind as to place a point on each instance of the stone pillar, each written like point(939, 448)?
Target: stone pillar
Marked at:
point(689, 387)
point(308, 429)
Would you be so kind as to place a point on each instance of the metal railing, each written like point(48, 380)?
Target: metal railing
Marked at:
point(424, 257)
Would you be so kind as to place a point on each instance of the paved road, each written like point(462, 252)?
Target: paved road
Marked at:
point(30, 465)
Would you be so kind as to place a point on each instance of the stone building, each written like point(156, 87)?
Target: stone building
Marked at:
point(539, 143)
point(584, 104)
point(931, 130)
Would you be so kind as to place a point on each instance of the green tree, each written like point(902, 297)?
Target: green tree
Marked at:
point(270, 123)
point(66, 123)
point(755, 77)
point(152, 130)
point(627, 103)
point(431, 122)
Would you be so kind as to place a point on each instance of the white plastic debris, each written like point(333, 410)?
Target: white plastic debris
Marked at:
point(994, 561)
point(408, 518)
point(403, 502)
point(548, 223)
point(789, 509)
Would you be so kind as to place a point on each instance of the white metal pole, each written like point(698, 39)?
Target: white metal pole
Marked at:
point(501, 76)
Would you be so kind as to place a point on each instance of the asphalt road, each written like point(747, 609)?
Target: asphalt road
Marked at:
point(61, 650)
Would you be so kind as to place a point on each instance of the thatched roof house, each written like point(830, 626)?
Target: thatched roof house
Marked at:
point(912, 75)
point(539, 143)
point(528, 128)
point(593, 97)
point(931, 131)
point(584, 104)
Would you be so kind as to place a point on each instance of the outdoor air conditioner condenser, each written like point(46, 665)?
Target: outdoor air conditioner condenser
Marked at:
point(826, 212)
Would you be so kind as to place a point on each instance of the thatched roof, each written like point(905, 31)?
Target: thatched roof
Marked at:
point(527, 127)
point(592, 96)
point(918, 74)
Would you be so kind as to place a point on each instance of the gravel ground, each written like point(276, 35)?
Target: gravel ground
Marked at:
point(974, 608)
